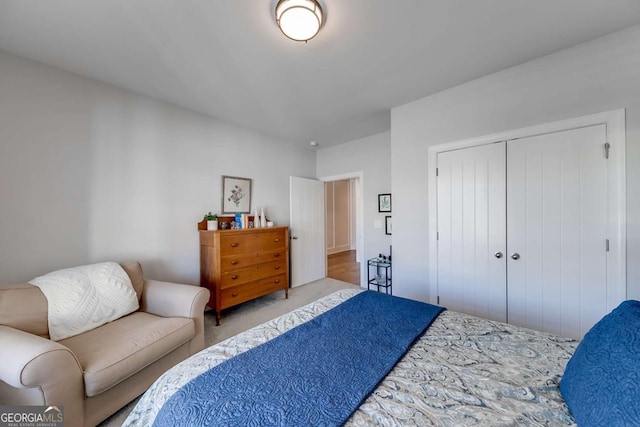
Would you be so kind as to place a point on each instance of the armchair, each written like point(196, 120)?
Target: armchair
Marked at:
point(94, 374)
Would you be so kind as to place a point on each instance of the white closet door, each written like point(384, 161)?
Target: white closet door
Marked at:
point(471, 230)
point(557, 224)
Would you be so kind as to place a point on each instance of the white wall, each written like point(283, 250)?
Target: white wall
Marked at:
point(601, 75)
point(371, 157)
point(89, 173)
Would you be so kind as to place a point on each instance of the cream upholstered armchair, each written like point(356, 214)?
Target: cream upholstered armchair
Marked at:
point(94, 374)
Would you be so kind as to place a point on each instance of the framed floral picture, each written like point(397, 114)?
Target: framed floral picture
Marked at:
point(236, 195)
point(384, 202)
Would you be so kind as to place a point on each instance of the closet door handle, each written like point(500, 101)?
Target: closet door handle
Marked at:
point(498, 255)
point(515, 256)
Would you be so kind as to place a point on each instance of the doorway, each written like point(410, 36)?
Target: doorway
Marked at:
point(344, 227)
point(340, 220)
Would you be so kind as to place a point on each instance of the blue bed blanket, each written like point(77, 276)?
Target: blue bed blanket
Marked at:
point(316, 374)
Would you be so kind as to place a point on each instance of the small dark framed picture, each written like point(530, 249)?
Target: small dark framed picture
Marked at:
point(236, 195)
point(384, 202)
point(387, 224)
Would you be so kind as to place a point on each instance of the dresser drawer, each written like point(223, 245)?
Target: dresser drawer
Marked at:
point(248, 274)
point(235, 262)
point(248, 291)
point(237, 243)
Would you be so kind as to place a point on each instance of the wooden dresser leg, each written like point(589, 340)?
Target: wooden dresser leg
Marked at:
point(217, 318)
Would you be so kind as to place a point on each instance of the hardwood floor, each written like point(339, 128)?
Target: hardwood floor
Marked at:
point(343, 266)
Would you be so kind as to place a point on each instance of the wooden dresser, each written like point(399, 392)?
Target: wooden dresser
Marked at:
point(241, 265)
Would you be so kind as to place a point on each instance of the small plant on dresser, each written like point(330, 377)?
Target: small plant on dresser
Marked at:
point(212, 221)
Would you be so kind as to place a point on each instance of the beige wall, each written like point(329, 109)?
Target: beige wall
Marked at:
point(89, 173)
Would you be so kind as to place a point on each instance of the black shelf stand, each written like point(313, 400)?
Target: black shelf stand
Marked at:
point(381, 268)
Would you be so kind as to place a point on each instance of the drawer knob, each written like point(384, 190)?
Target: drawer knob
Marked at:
point(277, 281)
point(277, 254)
point(234, 262)
point(277, 267)
point(234, 294)
point(234, 245)
point(276, 239)
point(234, 277)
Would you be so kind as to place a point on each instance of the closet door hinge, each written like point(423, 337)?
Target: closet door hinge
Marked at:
point(437, 235)
point(438, 299)
point(436, 171)
point(607, 147)
point(607, 244)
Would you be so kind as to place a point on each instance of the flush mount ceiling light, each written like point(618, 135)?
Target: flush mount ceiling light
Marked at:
point(300, 20)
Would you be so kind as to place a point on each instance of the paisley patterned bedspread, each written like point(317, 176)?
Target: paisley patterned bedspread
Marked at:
point(463, 371)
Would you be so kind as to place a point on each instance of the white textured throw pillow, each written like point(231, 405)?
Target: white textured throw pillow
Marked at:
point(83, 298)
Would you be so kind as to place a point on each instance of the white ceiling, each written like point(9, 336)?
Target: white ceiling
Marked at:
point(227, 58)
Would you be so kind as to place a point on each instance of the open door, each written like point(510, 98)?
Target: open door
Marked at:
point(306, 222)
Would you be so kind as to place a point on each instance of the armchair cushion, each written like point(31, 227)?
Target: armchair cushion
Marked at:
point(24, 307)
point(134, 271)
point(113, 352)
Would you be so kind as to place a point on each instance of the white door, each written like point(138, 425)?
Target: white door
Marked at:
point(471, 231)
point(557, 230)
point(306, 222)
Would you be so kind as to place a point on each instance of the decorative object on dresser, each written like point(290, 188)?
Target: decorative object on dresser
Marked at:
point(241, 265)
point(212, 221)
point(263, 218)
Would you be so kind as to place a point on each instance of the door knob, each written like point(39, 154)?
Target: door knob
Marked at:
point(515, 255)
point(294, 237)
point(498, 254)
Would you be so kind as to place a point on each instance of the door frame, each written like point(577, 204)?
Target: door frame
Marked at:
point(359, 202)
point(616, 227)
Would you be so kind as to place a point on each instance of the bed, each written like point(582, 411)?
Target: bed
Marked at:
point(462, 371)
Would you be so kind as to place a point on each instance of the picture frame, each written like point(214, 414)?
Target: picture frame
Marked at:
point(236, 195)
point(384, 202)
point(387, 224)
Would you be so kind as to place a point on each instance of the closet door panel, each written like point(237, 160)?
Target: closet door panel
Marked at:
point(471, 216)
point(556, 222)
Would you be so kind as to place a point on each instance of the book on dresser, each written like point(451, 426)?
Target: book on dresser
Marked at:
point(240, 265)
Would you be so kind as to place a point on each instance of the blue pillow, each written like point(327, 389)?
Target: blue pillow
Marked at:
point(601, 383)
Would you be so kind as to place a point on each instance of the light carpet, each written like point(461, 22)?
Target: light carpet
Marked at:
point(245, 316)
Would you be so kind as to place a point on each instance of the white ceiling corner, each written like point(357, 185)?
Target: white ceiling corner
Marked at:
point(228, 59)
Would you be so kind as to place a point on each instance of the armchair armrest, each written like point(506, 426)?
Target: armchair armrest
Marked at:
point(177, 300)
point(30, 361)
point(173, 299)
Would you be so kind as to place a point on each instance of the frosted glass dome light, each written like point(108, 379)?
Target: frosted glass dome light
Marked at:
point(300, 20)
